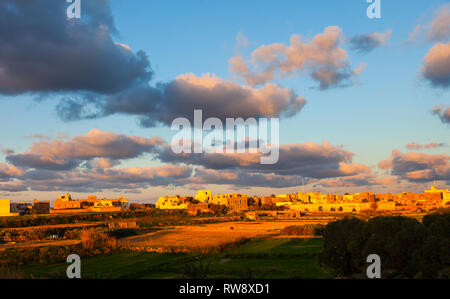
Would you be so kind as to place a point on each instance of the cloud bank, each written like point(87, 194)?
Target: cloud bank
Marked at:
point(91, 162)
point(67, 155)
point(415, 145)
point(443, 112)
point(180, 97)
point(418, 167)
point(322, 59)
point(42, 51)
point(436, 65)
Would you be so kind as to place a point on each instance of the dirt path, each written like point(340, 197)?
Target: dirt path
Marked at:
point(69, 225)
point(30, 244)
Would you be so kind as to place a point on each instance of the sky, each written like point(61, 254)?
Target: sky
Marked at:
point(86, 104)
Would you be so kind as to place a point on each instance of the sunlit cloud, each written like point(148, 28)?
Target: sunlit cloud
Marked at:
point(418, 167)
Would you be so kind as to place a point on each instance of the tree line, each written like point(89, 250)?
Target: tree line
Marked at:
point(407, 248)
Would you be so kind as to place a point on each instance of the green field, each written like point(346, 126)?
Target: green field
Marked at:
point(269, 258)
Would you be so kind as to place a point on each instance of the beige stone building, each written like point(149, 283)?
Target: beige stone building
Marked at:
point(237, 203)
point(445, 194)
point(342, 207)
point(203, 196)
point(221, 199)
point(65, 203)
point(171, 203)
point(233, 201)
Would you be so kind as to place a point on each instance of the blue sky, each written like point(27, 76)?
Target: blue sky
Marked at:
point(389, 107)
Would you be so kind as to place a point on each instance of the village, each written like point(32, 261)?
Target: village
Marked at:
point(64, 204)
point(291, 205)
point(294, 204)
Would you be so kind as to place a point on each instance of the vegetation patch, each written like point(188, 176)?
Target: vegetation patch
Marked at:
point(407, 247)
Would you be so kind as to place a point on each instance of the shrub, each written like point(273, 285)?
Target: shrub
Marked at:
point(436, 245)
point(309, 229)
point(10, 273)
point(197, 270)
point(94, 239)
point(343, 244)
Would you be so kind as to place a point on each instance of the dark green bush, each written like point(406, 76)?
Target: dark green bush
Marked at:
point(407, 248)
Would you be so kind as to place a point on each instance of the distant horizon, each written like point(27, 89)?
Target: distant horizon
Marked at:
point(87, 100)
point(142, 201)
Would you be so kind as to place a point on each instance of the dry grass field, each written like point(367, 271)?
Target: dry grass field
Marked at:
point(211, 235)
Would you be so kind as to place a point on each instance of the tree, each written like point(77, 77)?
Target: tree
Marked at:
point(343, 244)
point(436, 245)
point(218, 210)
point(396, 240)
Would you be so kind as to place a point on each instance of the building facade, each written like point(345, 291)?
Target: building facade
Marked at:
point(65, 203)
point(444, 194)
point(238, 203)
point(171, 203)
point(203, 196)
point(21, 208)
point(41, 207)
point(5, 208)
